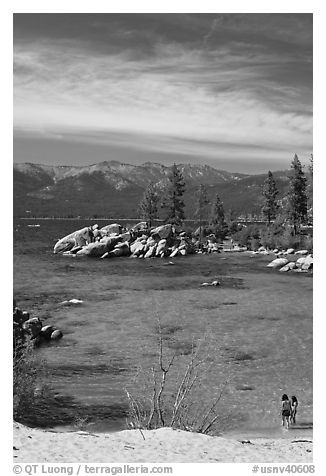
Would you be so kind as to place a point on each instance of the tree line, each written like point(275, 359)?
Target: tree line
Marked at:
point(295, 209)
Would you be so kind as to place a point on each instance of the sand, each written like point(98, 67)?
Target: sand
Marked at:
point(162, 445)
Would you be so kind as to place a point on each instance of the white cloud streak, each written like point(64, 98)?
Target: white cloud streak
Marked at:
point(177, 95)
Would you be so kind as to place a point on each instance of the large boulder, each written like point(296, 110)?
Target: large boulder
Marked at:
point(140, 227)
point(56, 335)
point(288, 267)
point(300, 261)
point(278, 263)
point(33, 327)
point(161, 247)
point(46, 332)
point(93, 249)
point(174, 253)
point(289, 251)
point(302, 252)
point(140, 250)
point(110, 241)
point(162, 232)
point(122, 249)
point(78, 238)
point(126, 236)
point(292, 265)
point(308, 263)
point(151, 251)
point(114, 228)
point(135, 245)
point(151, 241)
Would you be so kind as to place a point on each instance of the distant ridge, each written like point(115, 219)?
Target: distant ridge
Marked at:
point(114, 189)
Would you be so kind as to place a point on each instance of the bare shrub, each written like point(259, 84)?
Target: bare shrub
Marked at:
point(177, 401)
point(80, 422)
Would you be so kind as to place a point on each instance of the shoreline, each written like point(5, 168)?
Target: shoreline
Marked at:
point(153, 446)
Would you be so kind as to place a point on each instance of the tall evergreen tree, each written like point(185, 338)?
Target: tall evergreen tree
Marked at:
point(173, 203)
point(270, 193)
point(297, 195)
point(147, 208)
point(201, 207)
point(310, 188)
point(217, 219)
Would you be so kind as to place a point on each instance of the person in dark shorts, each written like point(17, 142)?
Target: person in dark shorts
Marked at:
point(294, 406)
point(286, 410)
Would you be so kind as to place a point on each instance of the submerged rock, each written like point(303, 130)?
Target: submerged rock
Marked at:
point(46, 332)
point(56, 335)
point(72, 302)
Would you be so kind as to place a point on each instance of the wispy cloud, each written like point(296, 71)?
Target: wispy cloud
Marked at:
point(178, 98)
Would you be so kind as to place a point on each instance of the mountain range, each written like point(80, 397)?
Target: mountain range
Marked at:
point(112, 189)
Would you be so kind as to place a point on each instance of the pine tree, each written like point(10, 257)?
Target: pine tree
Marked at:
point(297, 195)
point(201, 207)
point(310, 188)
point(270, 193)
point(217, 219)
point(173, 202)
point(147, 208)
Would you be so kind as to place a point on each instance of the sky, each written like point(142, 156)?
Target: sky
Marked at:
point(233, 91)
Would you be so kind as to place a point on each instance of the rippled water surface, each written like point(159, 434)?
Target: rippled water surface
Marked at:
point(256, 328)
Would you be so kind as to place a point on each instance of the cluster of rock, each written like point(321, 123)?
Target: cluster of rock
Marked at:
point(138, 242)
point(299, 265)
point(25, 327)
point(290, 251)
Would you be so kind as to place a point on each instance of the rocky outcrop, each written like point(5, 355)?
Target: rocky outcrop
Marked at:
point(139, 242)
point(26, 328)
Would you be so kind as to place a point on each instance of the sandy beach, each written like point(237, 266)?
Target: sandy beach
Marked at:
point(162, 445)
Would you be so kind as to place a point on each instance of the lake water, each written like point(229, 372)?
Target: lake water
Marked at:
point(255, 330)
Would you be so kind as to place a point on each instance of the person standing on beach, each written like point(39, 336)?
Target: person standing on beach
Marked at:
point(286, 410)
point(294, 406)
